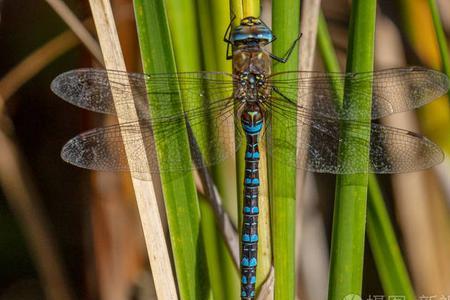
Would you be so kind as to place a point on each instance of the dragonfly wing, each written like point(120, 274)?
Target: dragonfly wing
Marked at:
point(393, 91)
point(92, 89)
point(103, 148)
point(392, 150)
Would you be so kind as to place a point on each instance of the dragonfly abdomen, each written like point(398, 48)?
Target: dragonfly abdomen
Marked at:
point(252, 122)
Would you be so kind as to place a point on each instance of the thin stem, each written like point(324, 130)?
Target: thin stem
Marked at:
point(286, 26)
point(347, 245)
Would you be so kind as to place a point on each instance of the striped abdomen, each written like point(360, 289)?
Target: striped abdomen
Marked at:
point(252, 122)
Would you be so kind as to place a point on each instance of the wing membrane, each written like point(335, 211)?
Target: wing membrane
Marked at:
point(103, 148)
point(91, 89)
point(394, 90)
point(391, 150)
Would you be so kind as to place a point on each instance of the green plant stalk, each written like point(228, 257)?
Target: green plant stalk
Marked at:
point(386, 252)
point(251, 8)
point(326, 48)
point(182, 207)
point(244, 8)
point(347, 243)
point(213, 20)
point(282, 180)
point(440, 35)
point(214, 252)
point(388, 259)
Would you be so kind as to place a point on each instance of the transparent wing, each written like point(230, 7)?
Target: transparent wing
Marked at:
point(91, 89)
point(392, 150)
point(394, 90)
point(103, 148)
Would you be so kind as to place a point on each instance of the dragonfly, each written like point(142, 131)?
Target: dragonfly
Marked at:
point(238, 108)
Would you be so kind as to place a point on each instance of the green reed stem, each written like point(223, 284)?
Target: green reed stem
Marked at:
point(182, 207)
point(441, 38)
point(347, 245)
point(386, 251)
point(214, 19)
point(286, 26)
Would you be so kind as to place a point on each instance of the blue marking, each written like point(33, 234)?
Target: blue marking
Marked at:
point(255, 181)
point(253, 129)
point(265, 35)
point(261, 33)
point(252, 294)
point(254, 238)
point(247, 209)
point(256, 154)
point(246, 238)
point(252, 280)
point(255, 210)
point(240, 36)
point(248, 180)
point(248, 155)
point(244, 280)
point(243, 294)
point(244, 262)
point(253, 262)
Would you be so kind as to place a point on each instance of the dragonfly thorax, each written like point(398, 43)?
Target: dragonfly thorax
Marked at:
point(251, 87)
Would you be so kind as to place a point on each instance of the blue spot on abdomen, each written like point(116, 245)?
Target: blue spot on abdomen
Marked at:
point(253, 129)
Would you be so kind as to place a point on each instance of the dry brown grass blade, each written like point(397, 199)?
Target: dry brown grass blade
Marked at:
point(208, 189)
point(266, 292)
point(311, 242)
point(144, 191)
point(119, 246)
point(309, 21)
point(419, 205)
point(77, 27)
point(26, 206)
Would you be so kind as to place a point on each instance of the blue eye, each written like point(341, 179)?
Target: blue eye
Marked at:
point(255, 30)
point(237, 36)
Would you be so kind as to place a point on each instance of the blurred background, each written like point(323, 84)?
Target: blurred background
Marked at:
point(67, 233)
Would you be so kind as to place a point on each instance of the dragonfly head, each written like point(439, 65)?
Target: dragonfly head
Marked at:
point(251, 31)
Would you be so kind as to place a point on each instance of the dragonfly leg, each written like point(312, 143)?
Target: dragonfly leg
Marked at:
point(227, 38)
point(286, 56)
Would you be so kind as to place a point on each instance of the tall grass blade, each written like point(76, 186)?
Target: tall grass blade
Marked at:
point(214, 19)
point(286, 26)
point(144, 190)
point(347, 245)
point(385, 248)
point(441, 38)
point(386, 251)
point(182, 207)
